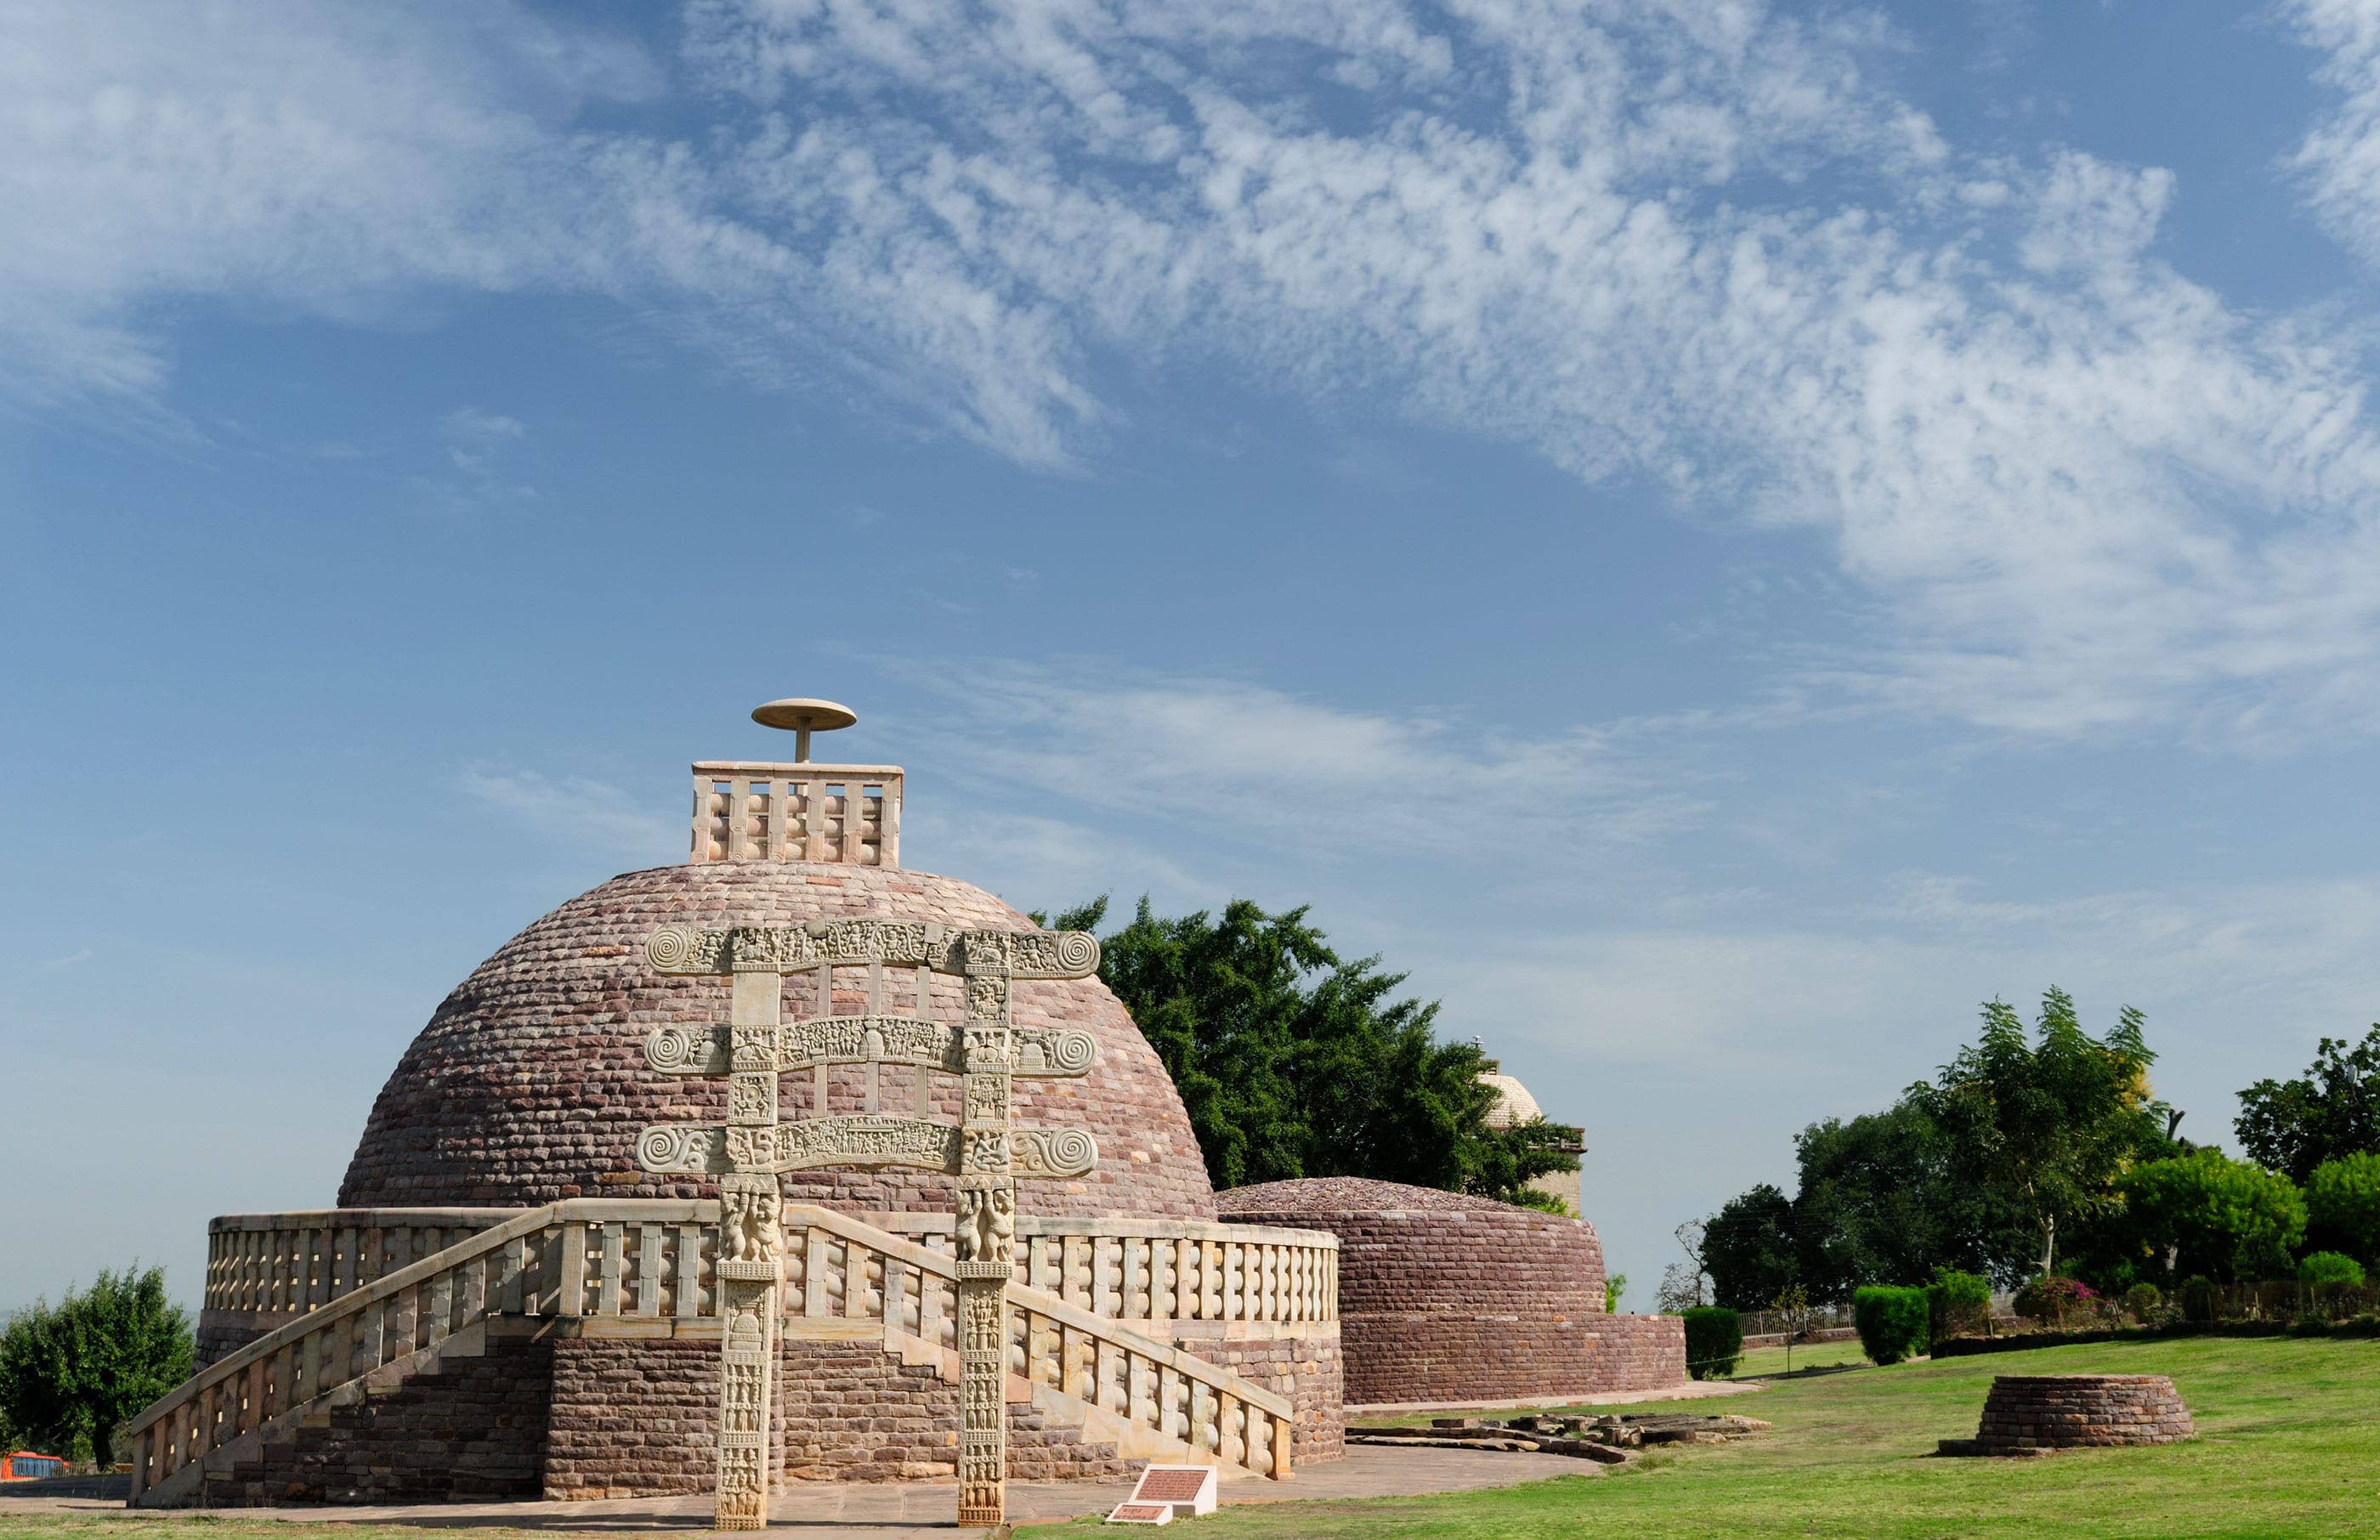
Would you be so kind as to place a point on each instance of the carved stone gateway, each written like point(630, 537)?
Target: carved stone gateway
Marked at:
point(749, 1151)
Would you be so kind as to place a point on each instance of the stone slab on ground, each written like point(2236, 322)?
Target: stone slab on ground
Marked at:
point(893, 1510)
point(1695, 1390)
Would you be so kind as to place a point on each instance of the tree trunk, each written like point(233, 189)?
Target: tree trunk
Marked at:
point(2048, 1243)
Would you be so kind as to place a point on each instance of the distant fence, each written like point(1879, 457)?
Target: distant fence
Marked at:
point(1775, 1323)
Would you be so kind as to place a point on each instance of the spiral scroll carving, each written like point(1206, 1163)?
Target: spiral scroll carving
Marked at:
point(1073, 1052)
point(670, 949)
point(1055, 1152)
point(1078, 952)
point(677, 1051)
point(664, 1148)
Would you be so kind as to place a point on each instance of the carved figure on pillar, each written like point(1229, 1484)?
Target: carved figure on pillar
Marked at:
point(983, 1151)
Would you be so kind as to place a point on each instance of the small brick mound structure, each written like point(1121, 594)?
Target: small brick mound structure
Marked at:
point(2034, 1414)
point(1451, 1300)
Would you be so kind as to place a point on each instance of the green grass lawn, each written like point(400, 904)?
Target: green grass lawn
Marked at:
point(2288, 1444)
point(1760, 1363)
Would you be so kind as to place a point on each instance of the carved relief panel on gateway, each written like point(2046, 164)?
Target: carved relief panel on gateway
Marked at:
point(706, 1050)
point(908, 943)
point(984, 1150)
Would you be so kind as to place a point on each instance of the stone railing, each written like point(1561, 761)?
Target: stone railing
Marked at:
point(265, 1271)
point(1165, 1271)
point(585, 1258)
point(645, 1267)
point(803, 812)
point(1150, 1398)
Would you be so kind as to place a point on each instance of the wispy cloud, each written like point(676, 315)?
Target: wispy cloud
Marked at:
point(481, 448)
point(590, 814)
point(1247, 763)
point(2339, 157)
point(2069, 490)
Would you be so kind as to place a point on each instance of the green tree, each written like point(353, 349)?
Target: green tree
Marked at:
point(72, 1373)
point(2208, 1212)
point(2046, 1126)
point(2342, 1195)
point(1291, 1062)
point(2291, 1126)
point(1885, 1198)
point(1748, 1249)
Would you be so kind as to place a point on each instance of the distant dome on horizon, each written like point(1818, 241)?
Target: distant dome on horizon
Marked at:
point(1514, 1104)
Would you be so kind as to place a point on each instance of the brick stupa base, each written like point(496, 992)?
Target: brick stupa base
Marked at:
point(2037, 1414)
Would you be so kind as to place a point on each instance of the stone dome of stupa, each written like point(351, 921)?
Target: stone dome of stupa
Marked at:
point(530, 1082)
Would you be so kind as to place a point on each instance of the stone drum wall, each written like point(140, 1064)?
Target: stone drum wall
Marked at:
point(1447, 1298)
point(530, 1082)
point(2063, 1411)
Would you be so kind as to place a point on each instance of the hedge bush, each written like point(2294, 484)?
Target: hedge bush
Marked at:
point(1892, 1323)
point(1714, 1341)
point(2329, 1266)
point(1957, 1305)
point(2060, 1301)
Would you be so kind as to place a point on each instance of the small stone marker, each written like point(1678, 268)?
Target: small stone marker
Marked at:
point(1142, 1514)
point(1183, 1491)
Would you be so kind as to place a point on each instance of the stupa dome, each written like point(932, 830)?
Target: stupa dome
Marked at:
point(530, 1082)
point(1514, 1106)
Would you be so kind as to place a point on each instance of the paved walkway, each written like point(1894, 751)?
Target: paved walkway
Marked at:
point(900, 1511)
point(1692, 1391)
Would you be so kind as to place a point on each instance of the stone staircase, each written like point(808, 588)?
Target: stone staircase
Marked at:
point(432, 1382)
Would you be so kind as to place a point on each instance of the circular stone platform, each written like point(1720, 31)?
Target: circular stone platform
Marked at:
point(530, 1084)
point(1448, 1298)
point(2033, 1413)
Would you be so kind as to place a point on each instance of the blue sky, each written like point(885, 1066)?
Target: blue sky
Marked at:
point(1716, 536)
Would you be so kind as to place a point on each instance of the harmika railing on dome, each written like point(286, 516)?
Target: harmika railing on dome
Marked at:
point(748, 811)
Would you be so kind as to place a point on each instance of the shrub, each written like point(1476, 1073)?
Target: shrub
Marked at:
point(2197, 1299)
point(1891, 1323)
point(2344, 1195)
point(1714, 1341)
point(2142, 1301)
point(1956, 1303)
point(2330, 1267)
point(2054, 1299)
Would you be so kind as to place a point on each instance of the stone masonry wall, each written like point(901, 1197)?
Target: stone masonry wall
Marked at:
point(474, 1430)
point(530, 1084)
point(2081, 1410)
point(636, 1418)
point(1444, 1297)
point(1301, 1361)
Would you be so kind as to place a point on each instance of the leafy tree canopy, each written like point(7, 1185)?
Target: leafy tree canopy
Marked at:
point(2291, 1126)
point(71, 1372)
point(2343, 1198)
point(2046, 1124)
point(2211, 1213)
point(1293, 1062)
point(1748, 1249)
point(1886, 1198)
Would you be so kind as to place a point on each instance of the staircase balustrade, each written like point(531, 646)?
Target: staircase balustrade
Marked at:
point(603, 1264)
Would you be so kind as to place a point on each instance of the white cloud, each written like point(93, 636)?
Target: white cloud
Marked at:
point(586, 813)
point(481, 448)
point(1687, 243)
point(330, 159)
point(474, 438)
point(2339, 158)
point(2082, 494)
point(1247, 765)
